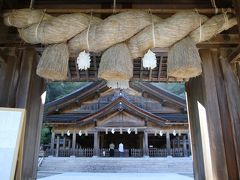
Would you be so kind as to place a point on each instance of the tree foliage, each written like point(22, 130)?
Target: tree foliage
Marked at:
point(175, 88)
point(45, 135)
point(56, 90)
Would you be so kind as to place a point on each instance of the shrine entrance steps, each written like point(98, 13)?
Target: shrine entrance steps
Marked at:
point(57, 165)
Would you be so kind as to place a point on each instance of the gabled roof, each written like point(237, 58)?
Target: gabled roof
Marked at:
point(120, 104)
point(84, 93)
point(88, 91)
point(159, 93)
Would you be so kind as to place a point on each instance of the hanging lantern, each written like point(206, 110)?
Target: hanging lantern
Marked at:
point(149, 60)
point(106, 131)
point(83, 60)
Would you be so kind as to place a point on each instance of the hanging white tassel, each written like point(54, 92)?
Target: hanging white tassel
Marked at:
point(83, 60)
point(149, 60)
point(122, 84)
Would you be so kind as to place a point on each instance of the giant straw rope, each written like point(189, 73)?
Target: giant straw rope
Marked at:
point(140, 30)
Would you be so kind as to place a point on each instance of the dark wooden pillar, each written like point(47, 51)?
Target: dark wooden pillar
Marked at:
point(64, 141)
point(145, 144)
point(184, 146)
point(168, 144)
point(22, 88)
point(52, 140)
point(210, 118)
point(194, 95)
point(96, 143)
point(74, 142)
point(233, 102)
point(57, 145)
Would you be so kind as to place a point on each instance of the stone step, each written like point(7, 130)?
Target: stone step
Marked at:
point(122, 165)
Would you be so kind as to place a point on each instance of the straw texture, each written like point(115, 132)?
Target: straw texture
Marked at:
point(184, 60)
point(112, 30)
point(116, 63)
point(58, 29)
point(212, 27)
point(54, 62)
point(22, 18)
point(166, 33)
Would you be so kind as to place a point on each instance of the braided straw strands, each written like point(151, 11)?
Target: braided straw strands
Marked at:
point(58, 29)
point(54, 62)
point(166, 32)
point(184, 60)
point(112, 30)
point(211, 27)
point(22, 18)
point(116, 66)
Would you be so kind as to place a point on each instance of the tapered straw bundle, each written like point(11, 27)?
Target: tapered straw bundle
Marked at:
point(184, 60)
point(116, 66)
point(54, 62)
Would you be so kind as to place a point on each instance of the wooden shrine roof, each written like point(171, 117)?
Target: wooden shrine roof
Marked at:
point(54, 111)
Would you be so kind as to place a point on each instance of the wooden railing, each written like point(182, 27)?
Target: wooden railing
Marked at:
point(104, 152)
point(157, 152)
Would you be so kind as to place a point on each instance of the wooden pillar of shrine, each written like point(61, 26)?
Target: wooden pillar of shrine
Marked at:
point(214, 140)
point(168, 144)
point(52, 140)
point(96, 143)
point(57, 145)
point(73, 142)
point(23, 89)
point(185, 154)
point(64, 141)
point(145, 144)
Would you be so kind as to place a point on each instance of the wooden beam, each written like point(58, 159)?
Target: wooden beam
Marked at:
point(235, 55)
point(110, 11)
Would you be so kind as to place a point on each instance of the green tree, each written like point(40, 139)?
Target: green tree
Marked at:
point(56, 90)
point(45, 135)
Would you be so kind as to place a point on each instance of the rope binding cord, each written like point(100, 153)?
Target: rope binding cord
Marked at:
point(88, 48)
point(200, 26)
point(153, 31)
point(214, 6)
point(226, 21)
point(114, 6)
point(36, 30)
